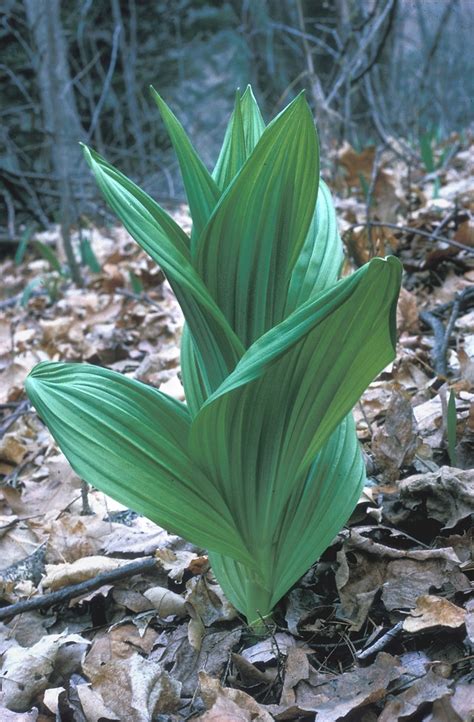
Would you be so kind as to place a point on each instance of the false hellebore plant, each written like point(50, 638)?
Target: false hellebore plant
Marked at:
point(261, 465)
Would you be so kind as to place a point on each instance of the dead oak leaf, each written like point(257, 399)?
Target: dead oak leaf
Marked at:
point(427, 689)
point(229, 705)
point(432, 611)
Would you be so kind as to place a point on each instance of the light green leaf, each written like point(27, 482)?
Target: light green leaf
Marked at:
point(320, 261)
point(247, 251)
point(317, 509)
point(252, 119)
point(201, 190)
point(129, 440)
point(290, 391)
point(217, 347)
point(242, 135)
point(233, 152)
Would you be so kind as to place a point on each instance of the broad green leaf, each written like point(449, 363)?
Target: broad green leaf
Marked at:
point(201, 190)
point(320, 261)
point(193, 384)
point(242, 135)
point(129, 440)
point(289, 392)
point(233, 152)
point(217, 347)
point(247, 251)
point(252, 119)
point(305, 528)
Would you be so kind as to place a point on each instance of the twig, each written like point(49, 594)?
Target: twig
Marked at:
point(10, 420)
point(442, 335)
point(415, 231)
point(381, 643)
point(44, 601)
point(143, 297)
point(437, 326)
point(368, 200)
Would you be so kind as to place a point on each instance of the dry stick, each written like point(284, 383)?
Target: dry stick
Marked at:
point(415, 231)
point(442, 335)
point(10, 420)
point(368, 200)
point(44, 601)
point(381, 643)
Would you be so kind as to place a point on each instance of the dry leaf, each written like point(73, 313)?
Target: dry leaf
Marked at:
point(432, 611)
point(26, 671)
point(167, 603)
point(61, 575)
point(427, 689)
point(217, 699)
point(395, 444)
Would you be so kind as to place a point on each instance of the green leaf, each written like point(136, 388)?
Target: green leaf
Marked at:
point(129, 440)
point(233, 152)
point(252, 120)
point(217, 347)
point(242, 135)
point(88, 256)
point(50, 256)
point(247, 251)
point(136, 284)
point(23, 243)
point(288, 394)
point(320, 261)
point(201, 190)
point(316, 510)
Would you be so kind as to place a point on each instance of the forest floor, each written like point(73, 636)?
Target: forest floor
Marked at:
point(380, 628)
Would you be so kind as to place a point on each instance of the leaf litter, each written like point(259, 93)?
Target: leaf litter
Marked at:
point(381, 628)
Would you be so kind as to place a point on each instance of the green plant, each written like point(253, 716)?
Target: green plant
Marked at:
point(262, 465)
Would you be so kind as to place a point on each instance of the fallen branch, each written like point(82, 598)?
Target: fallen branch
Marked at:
point(442, 335)
point(22, 408)
point(416, 231)
point(44, 601)
point(381, 642)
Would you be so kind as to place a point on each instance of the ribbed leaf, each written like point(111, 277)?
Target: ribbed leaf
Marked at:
point(316, 510)
point(233, 152)
point(201, 190)
point(217, 347)
point(242, 135)
point(258, 434)
point(319, 263)
point(247, 251)
point(129, 440)
point(252, 119)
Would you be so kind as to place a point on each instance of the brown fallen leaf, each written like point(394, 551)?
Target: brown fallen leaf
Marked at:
point(334, 696)
point(432, 611)
point(394, 445)
point(446, 495)
point(366, 566)
point(456, 707)
point(427, 689)
point(167, 603)
point(26, 671)
point(61, 575)
point(229, 705)
point(407, 313)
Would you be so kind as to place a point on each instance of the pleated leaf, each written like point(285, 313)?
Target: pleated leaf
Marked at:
point(247, 251)
point(320, 260)
point(217, 346)
point(129, 440)
point(243, 132)
point(316, 510)
point(201, 190)
point(258, 434)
